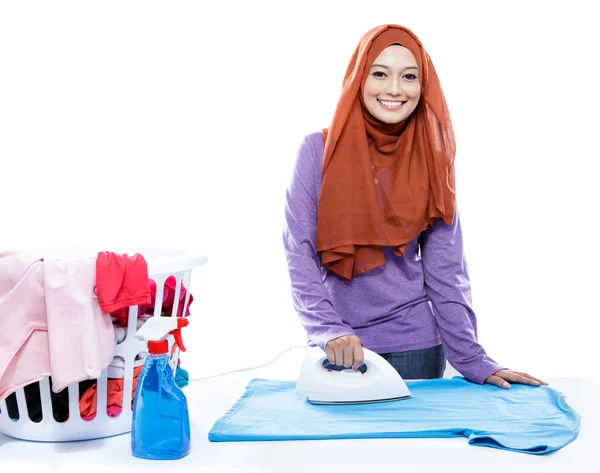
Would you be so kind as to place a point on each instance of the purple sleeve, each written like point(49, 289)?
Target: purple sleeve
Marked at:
point(448, 286)
point(310, 296)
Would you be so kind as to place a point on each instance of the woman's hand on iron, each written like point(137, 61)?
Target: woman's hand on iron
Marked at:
point(501, 378)
point(345, 351)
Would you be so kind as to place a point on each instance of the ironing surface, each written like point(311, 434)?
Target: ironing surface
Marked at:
point(527, 419)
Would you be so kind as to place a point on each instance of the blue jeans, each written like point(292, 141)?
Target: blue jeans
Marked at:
point(428, 363)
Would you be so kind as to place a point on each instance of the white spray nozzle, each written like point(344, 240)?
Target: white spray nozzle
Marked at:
point(157, 328)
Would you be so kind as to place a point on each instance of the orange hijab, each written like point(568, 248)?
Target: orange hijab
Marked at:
point(382, 184)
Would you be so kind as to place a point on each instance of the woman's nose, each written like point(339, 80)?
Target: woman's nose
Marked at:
point(393, 87)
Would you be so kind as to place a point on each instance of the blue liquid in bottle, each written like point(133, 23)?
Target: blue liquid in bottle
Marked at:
point(160, 427)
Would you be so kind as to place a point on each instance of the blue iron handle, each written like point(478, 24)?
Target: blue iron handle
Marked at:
point(329, 366)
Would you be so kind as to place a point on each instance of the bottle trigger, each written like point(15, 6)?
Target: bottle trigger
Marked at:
point(181, 322)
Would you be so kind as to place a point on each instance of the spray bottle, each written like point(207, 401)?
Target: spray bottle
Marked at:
point(160, 427)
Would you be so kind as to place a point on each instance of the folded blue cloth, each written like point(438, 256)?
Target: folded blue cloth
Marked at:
point(524, 418)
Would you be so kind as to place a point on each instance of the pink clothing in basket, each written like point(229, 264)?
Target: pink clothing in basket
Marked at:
point(23, 328)
point(51, 322)
point(80, 334)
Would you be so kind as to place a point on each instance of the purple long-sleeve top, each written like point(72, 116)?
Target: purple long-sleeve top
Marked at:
point(414, 301)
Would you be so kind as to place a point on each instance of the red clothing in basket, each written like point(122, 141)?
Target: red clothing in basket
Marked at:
point(121, 280)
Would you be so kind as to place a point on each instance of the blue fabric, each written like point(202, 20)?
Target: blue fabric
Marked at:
point(182, 377)
point(526, 419)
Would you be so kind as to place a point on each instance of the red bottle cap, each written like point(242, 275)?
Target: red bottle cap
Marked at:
point(158, 347)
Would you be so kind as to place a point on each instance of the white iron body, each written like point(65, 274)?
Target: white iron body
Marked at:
point(380, 382)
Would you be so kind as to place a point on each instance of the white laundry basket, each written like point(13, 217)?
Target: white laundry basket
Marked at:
point(162, 263)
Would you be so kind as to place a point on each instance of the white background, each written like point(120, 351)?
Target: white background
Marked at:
point(177, 124)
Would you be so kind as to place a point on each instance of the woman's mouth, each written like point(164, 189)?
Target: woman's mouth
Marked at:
point(391, 104)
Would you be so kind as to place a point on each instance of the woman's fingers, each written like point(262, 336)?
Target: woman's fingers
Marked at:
point(498, 381)
point(344, 351)
point(359, 356)
point(348, 356)
point(339, 355)
point(522, 378)
point(329, 351)
point(501, 378)
point(533, 378)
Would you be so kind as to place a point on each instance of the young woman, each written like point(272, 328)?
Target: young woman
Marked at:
point(373, 237)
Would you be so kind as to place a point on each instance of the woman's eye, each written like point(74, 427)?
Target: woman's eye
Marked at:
point(410, 76)
point(378, 74)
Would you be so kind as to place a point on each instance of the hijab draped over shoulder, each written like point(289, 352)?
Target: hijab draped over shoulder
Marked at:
point(383, 184)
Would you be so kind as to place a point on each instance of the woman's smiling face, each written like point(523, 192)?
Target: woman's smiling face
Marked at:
point(392, 89)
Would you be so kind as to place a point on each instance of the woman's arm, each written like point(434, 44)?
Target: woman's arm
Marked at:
point(310, 296)
point(449, 289)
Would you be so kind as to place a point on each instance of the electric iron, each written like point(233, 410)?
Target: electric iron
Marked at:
point(323, 383)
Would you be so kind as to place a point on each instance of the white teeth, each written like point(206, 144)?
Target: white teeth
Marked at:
point(390, 103)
